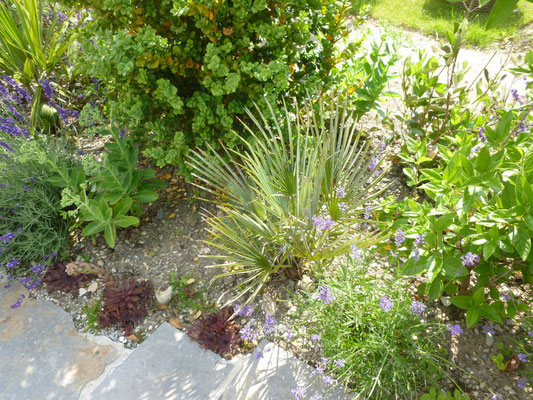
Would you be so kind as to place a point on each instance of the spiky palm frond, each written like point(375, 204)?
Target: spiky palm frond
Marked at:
point(287, 173)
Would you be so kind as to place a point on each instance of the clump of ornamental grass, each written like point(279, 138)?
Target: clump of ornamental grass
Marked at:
point(126, 301)
point(292, 197)
point(380, 345)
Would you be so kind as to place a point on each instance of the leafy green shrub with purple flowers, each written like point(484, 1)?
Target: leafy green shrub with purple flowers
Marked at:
point(180, 72)
point(471, 229)
point(295, 197)
point(381, 339)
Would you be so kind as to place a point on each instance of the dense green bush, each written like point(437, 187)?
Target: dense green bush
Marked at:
point(178, 72)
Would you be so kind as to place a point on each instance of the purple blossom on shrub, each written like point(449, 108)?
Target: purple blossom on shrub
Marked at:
point(298, 392)
point(522, 383)
point(522, 127)
point(37, 268)
point(341, 192)
point(455, 329)
point(367, 214)
point(34, 284)
point(415, 253)
point(516, 96)
point(482, 137)
point(343, 206)
point(419, 240)
point(522, 357)
point(339, 362)
point(50, 255)
point(530, 333)
point(506, 296)
point(356, 252)
point(248, 333)
point(385, 303)
point(496, 396)
point(270, 325)
point(488, 328)
point(316, 338)
point(319, 370)
point(246, 310)
point(327, 379)
point(470, 259)
point(323, 223)
point(418, 307)
point(399, 238)
point(47, 88)
point(13, 263)
point(7, 237)
point(324, 294)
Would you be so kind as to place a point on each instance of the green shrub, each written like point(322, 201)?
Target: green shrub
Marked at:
point(292, 198)
point(379, 344)
point(31, 231)
point(179, 72)
point(106, 192)
point(473, 159)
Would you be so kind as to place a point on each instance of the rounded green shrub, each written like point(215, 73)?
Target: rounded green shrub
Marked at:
point(179, 72)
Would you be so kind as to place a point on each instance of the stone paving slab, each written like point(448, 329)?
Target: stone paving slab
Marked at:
point(273, 376)
point(167, 365)
point(42, 355)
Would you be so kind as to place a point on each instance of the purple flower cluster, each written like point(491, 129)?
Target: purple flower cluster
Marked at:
point(506, 296)
point(299, 392)
point(455, 329)
point(399, 238)
point(522, 357)
point(516, 96)
point(47, 88)
point(367, 214)
point(343, 206)
point(323, 223)
point(13, 263)
point(418, 307)
point(248, 333)
point(19, 301)
point(341, 192)
point(36, 269)
point(51, 255)
point(316, 338)
point(324, 294)
point(385, 303)
point(246, 310)
point(356, 252)
point(488, 328)
point(10, 126)
point(270, 325)
point(7, 237)
point(339, 362)
point(522, 383)
point(482, 137)
point(470, 259)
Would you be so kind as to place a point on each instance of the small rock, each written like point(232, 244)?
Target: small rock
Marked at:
point(164, 296)
point(305, 283)
point(476, 331)
point(92, 287)
point(195, 259)
point(445, 300)
point(82, 291)
point(269, 306)
point(122, 339)
point(160, 214)
point(100, 263)
point(489, 339)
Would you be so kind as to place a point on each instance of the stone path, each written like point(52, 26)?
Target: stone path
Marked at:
point(44, 357)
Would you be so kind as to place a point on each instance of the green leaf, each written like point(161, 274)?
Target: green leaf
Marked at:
point(124, 221)
point(110, 234)
point(478, 296)
point(483, 159)
point(502, 10)
point(521, 240)
point(145, 196)
point(123, 206)
point(462, 302)
point(472, 316)
point(93, 228)
point(494, 312)
point(436, 288)
point(511, 310)
point(488, 249)
point(452, 266)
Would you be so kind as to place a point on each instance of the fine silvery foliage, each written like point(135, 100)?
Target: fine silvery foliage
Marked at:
point(291, 198)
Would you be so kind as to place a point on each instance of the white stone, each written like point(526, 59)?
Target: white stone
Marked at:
point(445, 300)
point(82, 291)
point(100, 263)
point(164, 296)
point(305, 283)
point(269, 305)
point(489, 339)
point(92, 287)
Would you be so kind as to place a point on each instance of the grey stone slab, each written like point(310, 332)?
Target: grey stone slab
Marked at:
point(273, 376)
point(167, 365)
point(42, 355)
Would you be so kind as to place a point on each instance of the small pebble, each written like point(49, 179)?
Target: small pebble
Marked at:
point(489, 339)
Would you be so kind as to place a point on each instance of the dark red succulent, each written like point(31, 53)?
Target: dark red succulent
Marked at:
point(215, 332)
point(56, 278)
point(126, 302)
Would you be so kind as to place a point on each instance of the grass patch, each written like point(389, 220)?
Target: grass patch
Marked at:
point(438, 16)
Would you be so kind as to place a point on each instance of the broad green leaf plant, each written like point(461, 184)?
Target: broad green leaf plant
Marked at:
point(292, 197)
point(104, 195)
